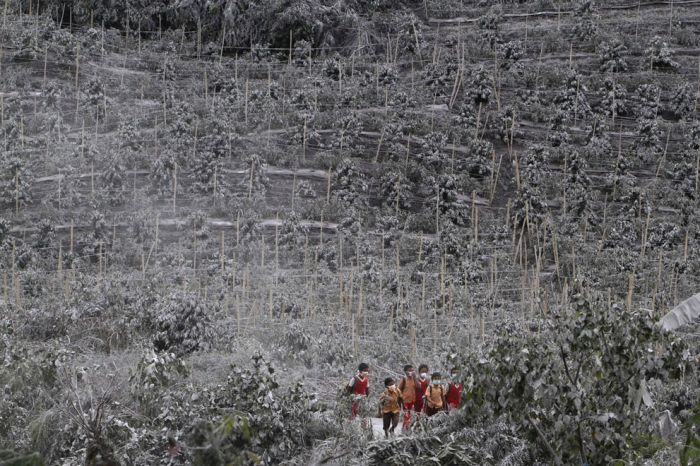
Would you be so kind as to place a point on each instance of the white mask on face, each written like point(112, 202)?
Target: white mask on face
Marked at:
point(364, 373)
point(424, 375)
point(392, 387)
point(410, 373)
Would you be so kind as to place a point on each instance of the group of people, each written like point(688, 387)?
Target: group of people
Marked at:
point(421, 393)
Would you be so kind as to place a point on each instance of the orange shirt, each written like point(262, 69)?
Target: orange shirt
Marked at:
point(408, 389)
point(390, 400)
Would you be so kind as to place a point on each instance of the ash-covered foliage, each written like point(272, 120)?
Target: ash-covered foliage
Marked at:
point(509, 187)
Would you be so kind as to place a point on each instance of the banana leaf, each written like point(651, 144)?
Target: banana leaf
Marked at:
point(685, 313)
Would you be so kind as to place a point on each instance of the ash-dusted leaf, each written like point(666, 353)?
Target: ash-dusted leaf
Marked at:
point(683, 314)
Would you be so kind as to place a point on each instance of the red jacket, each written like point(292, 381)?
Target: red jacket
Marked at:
point(454, 393)
point(360, 385)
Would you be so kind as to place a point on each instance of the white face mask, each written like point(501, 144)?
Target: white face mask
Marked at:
point(392, 387)
point(437, 382)
point(364, 374)
point(424, 375)
point(410, 373)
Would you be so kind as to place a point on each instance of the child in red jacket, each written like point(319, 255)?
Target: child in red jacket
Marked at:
point(454, 390)
point(409, 393)
point(423, 382)
point(358, 387)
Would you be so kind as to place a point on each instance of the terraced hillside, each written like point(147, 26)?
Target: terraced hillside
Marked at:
point(381, 181)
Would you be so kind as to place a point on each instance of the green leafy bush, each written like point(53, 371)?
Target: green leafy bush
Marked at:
point(260, 422)
point(578, 389)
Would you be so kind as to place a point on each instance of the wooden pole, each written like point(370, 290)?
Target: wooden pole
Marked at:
point(175, 188)
point(246, 101)
point(5, 292)
point(630, 290)
point(328, 188)
point(221, 253)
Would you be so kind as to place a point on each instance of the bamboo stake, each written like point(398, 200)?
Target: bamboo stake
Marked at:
point(238, 315)
point(238, 228)
point(475, 218)
point(14, 271)
point(645, 235)
point(175, 188)
point(5, 293)
point(221, 253)
point(246, 101)
point(630, 290)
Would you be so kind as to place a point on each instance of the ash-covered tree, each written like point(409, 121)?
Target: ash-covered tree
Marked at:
point(506, 124)
point(180, 132)
point(659, 55)
point(208, 162)
point(581, 388)
point(94, 97)
point(648, 100)
point(684, 196)
point(432, 154)
point(613, 98)
point(347, 132)
point(558, 130)
point(15, 180)
point(439, 78)
point(585, 27)
point(71, 190)
point(647, 144)
point(129, 142)
point(163, 172)
point(167, 73)
point(409, 29)
point(597, 144)
point(572, 98)
point(293, 233)
point(465, 118)
point(612, 57)
point(258, 421)
point(349, 184)
point(181, 323)
point(113, 178)
point(98, 240)
point(445, 196)
point(509, 55)
point(256, 181)
point(54, 126)
point(478, 160)
point(395, 191)
point(480, 88)
point(577, 187)
point(489, 26)
point(333, 66)
point(389, 227)
point(683, 101)
point(530, 204)
point(302, 53)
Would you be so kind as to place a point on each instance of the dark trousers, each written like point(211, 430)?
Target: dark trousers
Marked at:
point(390, 419)
point(432, 411)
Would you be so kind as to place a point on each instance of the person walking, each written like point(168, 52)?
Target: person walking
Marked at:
point(390, 401)
point(435, 396)
point(454, 390)
point(408, 385)
point(358, 387)
point(423, 382)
